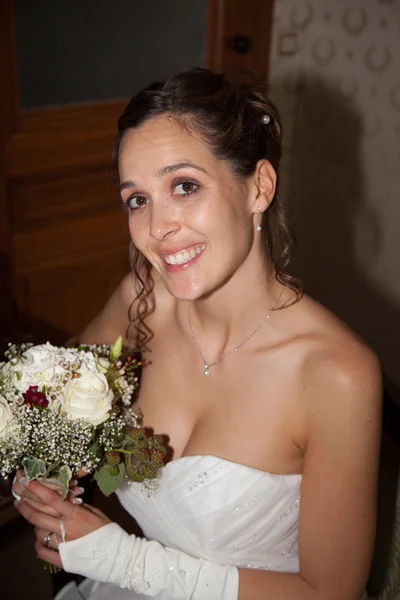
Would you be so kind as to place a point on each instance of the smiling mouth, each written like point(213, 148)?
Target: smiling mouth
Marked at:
point(183, 256)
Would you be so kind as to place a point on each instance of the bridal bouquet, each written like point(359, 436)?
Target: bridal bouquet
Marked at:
point(67, 409)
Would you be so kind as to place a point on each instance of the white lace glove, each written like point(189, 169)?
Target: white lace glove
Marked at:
point(112, 555)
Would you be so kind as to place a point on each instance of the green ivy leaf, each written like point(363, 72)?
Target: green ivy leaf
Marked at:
point(34, 468)
point(116, 349)
point(64, 476)
point(109, 483)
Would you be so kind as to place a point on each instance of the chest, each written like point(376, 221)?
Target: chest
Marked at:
point(243, 411)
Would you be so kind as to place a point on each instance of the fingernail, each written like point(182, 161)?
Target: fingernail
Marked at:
point(73, 482)
point(77, 491)
point(16, 502)
point(77, 501)
point(24, 482)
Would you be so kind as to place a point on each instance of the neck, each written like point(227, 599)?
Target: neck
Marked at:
point(225, 318)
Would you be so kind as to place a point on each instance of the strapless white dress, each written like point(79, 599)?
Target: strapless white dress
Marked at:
point(213, 509)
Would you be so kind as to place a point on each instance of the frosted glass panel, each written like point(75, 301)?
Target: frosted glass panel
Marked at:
point(74, 51)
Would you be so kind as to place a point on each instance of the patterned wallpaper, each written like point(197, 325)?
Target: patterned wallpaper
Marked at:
point(335, 75)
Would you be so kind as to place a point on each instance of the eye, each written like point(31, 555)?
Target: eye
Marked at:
point(186, 188)
point(135, 202)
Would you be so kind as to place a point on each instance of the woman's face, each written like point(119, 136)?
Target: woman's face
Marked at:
point(188, 214)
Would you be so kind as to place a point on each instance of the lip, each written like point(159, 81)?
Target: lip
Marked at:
point(180, 267)
point(179, 248)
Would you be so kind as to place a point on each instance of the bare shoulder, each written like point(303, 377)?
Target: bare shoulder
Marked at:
point(340, 372)
point(114, 318)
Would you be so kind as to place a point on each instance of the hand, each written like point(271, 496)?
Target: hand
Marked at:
point(72, 521)
point(19, 491)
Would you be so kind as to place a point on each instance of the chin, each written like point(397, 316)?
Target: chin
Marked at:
point(184, 290)
point(184, 293)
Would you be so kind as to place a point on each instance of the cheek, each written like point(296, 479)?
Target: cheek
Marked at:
point(136, 230)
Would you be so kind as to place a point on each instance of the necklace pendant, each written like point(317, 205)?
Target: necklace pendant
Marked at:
point(207, 371)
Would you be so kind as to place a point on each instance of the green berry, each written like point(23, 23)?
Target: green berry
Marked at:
point(136, 434)
point(158, 441)
point(113, 470)
point(137, 477)
point(143, 455)
point(150, 472)
point(112, 458)
point(157, 456)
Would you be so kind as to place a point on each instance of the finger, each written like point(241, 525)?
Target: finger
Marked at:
point(76, 491)
point(19, 490)
point(42, 534)
point(94, 510)
point(49, 498)
point(38, 517)
point(48, 555)
point(48, 510)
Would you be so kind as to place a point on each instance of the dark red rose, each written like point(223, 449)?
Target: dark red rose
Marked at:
point(35, 398)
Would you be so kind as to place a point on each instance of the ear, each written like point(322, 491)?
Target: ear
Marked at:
point(264, 181)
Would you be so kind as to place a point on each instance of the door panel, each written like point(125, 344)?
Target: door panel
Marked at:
point(37, 204)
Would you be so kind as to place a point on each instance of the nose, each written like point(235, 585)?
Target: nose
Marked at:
point(164, 221)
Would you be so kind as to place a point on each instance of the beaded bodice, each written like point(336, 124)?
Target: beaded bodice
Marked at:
point(221, 511)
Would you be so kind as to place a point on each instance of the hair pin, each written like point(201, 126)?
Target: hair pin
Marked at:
point(265, 119)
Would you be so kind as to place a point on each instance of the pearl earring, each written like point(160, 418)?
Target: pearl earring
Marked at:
point(259, 225)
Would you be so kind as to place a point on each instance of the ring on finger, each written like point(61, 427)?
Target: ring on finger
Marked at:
point(47, 539)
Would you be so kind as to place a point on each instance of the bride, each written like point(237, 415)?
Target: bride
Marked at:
point(270, 404)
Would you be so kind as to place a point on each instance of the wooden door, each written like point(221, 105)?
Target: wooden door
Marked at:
point(238, 35)
point(63, 235)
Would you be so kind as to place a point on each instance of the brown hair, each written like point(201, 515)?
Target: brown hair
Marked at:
point(228, 117)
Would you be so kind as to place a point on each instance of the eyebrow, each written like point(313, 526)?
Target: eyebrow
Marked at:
point(165, 171)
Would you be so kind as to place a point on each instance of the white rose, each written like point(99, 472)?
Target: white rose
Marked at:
point(87, 397)
point(5, 416)
point(39, 358)
point(37, 366)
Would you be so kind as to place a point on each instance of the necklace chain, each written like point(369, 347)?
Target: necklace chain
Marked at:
point(207, 366)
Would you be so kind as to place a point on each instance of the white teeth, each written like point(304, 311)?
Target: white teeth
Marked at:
point(183, 256)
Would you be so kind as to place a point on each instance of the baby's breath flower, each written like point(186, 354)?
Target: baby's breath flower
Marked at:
point(46, 430)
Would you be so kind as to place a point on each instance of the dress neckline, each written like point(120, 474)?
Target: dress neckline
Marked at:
point(186, 458)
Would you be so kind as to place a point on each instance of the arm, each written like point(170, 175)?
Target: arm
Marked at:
point(342, 398)
point(103, 551)
point(113, 320)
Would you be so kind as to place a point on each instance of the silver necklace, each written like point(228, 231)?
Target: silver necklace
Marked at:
point(207, 366)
